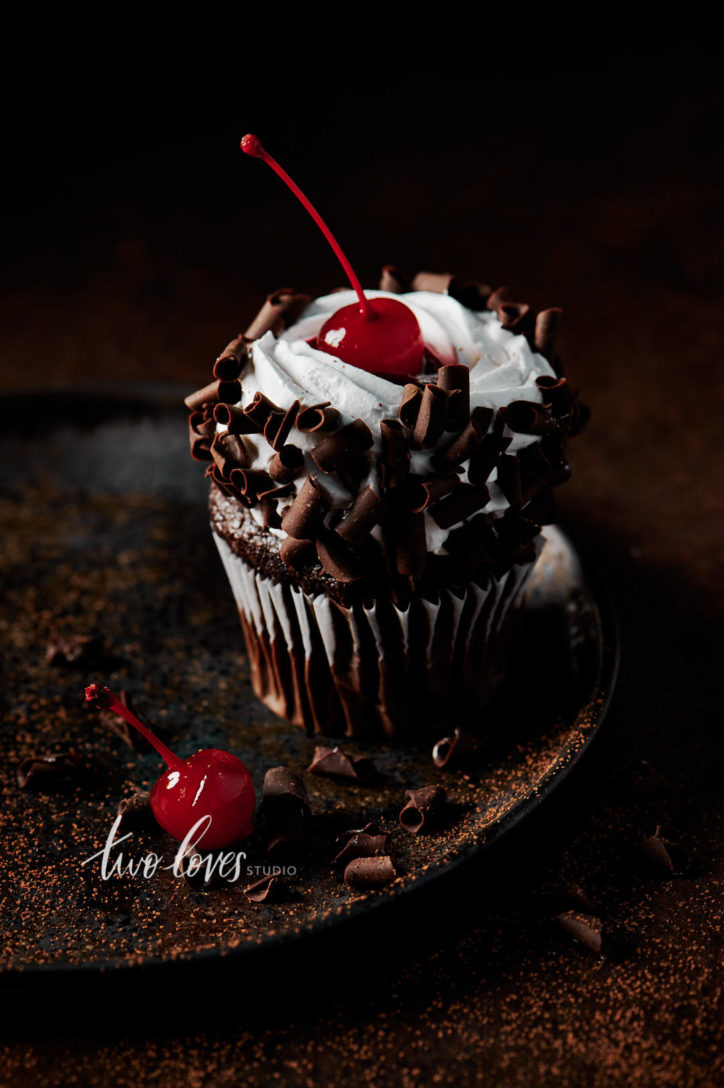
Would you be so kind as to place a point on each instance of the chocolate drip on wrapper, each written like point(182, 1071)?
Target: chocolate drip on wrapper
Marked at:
point(230, 362)
point(362, 844)
point(281, 309)
point(424, 809)
point(284, 811)
point(49, 772)
point(339, 764)
point(372, 872)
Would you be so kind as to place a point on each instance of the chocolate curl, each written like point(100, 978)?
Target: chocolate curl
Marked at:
point(269, 889)
point(665, 856)
point(391, 279)
point(455, 378)
point(201, 432)
point(420, 495)
point(286, 464)
point(432, 281)
point(484, 459)
point(269, 514)
point(411, 550)
point(350, 441)
point(284, 809)
point(541, 509)
point(335, 762)
point(235, 419)
point(260, 409)
point(296, 553)
point(430, 422)
point(281, 309)
point(214, 472)
point(229, 452)
point(279, 425)
point(251, 482)
point(583, 928)
point(454, 749)
point(362, 845)
point(529, 417)
point(544, 338)
point(369, 872)
point(231, 362)
point(394, 454)
point(226, 392)
point(361, 516)
point(49, 772)
point(424, 808)
point(318, 417)
point(508, 479)
point(135, 811)
point(410, 404)
point(370, 828)
point(304, 517)
point(468, 440)
point(469, 293)
point(514, 316)
point(556, 392)
point(337, 559)
point(463, 502)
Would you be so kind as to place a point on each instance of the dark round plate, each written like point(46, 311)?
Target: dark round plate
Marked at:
point(107, 535)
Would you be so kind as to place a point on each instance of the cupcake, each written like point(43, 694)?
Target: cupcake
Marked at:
point(378, 533)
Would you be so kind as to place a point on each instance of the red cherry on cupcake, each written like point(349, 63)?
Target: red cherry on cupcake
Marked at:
point(210, 784)
point(381, 335)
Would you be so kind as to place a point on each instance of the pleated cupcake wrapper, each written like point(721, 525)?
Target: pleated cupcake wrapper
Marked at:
point(378, 670)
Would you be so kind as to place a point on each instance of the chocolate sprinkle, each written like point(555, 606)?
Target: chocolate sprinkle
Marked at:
point(424, 808)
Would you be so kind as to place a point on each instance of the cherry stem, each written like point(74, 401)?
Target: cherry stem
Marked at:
point(107, 700)
point(253, 146)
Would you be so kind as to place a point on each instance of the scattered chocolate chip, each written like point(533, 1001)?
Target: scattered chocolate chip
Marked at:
point(269, 889)
point(663, 855)
point(369, 872)
point(49, 772)
point(583, 928)
point(79, 651)
point(424, 808)
point(335, 762)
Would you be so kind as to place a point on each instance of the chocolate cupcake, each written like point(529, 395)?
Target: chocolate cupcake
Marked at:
point(378, 534)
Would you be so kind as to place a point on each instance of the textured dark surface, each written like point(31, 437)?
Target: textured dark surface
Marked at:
point(585, 169)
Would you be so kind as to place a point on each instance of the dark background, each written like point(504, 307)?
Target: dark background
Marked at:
point(582, 164)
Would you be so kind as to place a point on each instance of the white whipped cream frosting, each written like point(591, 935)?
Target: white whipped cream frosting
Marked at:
point(503, 368)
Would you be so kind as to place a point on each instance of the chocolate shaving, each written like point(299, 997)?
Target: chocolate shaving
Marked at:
point(201, 431)
point(583, 928)
point(392, 280)
point(362, 845)
point(514, 316)
point(284, 810)
point(49, 772)
point(260, 409)
point(361, 516)
point(296, 553)
point(424, 809)
point(350, 441)
point(279, 425)
point(421, 493)
point(464, 501)
point(217, 476)
point(411, 550)
point(485, 458)
point(410, 404)
point(231, 362)
point(227, 392)
point(469, 439)
point(251, 482)
point(269, 889)
point(367, 872)
point(370, 828)
point(439, 282)
point(459, 747)
point(121, 727)
point(335, 762)
point(556, 392)
point(229, 452)
point(455, 378)
point(508, 479)
point(286, 464)
point(281, 309)
point(304, 517)
point(663, 855)
point(318, 417)
point(77, 651)
point(236, 419)
point(430, 422)
point(544, 338)
point(337, 559)
point(394, 454)
point(135, 811)
point(469, 293)
point(528, 417)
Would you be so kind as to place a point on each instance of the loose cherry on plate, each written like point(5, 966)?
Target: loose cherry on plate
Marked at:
point(379, 335)
point(210, 783)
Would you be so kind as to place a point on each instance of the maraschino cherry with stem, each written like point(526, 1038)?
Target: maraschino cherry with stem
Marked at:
point(380, 335)
point(211, 783)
